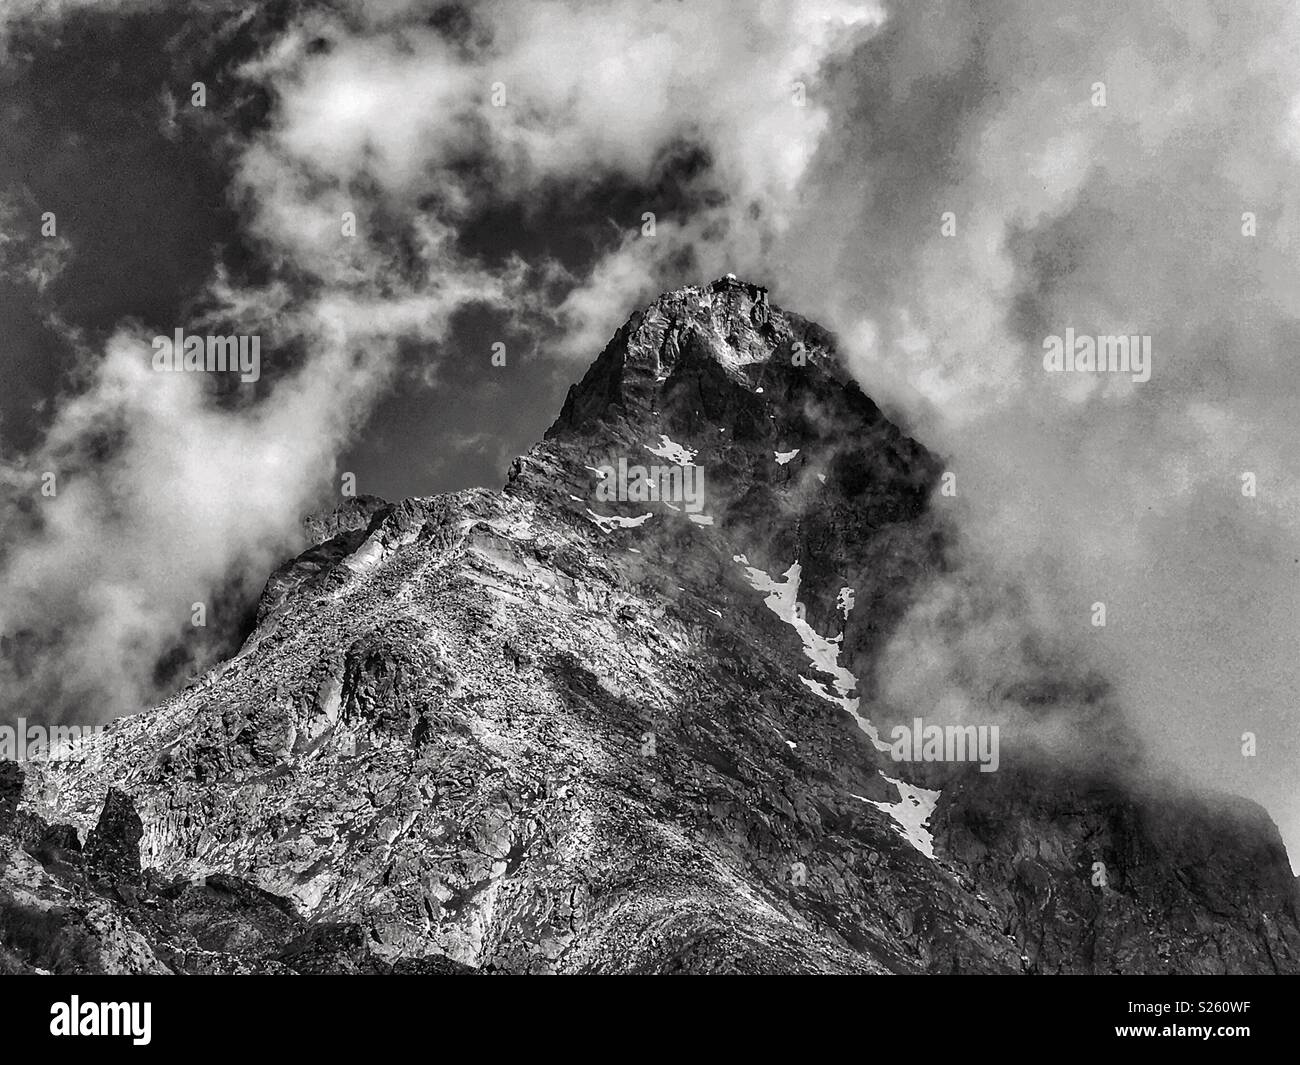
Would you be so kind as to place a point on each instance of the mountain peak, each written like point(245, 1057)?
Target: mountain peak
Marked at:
point(575, 727)
point(708, 338)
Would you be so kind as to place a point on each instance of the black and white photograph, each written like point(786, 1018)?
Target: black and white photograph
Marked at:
point(645, 487)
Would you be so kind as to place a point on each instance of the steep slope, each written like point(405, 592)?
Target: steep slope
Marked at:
point(547, 730)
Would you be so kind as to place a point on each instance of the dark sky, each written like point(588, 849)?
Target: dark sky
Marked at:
point(145, 209)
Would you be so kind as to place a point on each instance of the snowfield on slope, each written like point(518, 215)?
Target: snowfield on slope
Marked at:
point(915, 805)
point(674, 452)
point(912, 812)
point(608, 523)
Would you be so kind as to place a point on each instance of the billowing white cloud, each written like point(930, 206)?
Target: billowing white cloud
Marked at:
point(549, 92)
point(1129, 218)
point(1126, 218)
point(378, 146)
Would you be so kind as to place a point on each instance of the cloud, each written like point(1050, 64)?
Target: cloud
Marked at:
point(162, 497)
point(1122, 219)
point(36, 260)
point(1130, 218)
point(1072, 489)
point(415, 116)
point(382, 140)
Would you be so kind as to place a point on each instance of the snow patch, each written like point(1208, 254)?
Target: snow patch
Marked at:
point(782, 600)
point(844, 601)
point(673, 452)
point(608, 523)
point(782, 457)
point(912, 811)
point(849, 704)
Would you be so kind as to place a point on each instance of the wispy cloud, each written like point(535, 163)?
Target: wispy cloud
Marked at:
point(384, 135)
point(834, 139)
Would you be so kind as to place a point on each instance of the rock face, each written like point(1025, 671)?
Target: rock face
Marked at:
point(112, 851)
point(11, 791)
point(576, 726)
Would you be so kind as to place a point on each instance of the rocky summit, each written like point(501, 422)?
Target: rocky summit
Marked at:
point(619, 717)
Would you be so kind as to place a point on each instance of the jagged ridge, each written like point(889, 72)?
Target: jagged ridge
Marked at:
point(513, 731)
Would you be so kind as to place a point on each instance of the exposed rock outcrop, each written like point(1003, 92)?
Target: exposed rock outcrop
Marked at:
point(549, 729)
